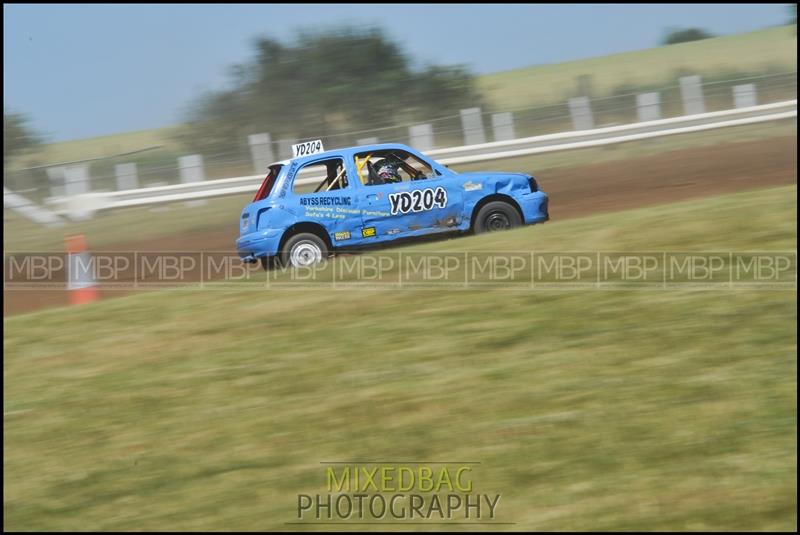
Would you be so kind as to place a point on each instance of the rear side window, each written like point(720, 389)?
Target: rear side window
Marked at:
point(320, 177)
point(266, 186)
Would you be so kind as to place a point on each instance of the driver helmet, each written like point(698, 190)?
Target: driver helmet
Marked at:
point(387, 171)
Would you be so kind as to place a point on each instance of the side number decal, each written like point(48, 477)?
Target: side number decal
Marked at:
point(418, 200)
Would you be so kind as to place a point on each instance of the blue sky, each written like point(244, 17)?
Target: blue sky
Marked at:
point(86, 70)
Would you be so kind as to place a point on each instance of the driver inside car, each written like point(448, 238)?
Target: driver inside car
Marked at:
point(388, 171)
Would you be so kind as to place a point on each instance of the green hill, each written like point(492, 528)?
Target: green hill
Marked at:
point(747, 52)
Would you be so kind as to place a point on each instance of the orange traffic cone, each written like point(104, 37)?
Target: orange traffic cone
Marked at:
point(80, 278)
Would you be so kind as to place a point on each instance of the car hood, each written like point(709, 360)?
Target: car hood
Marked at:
point(495, 182)
point(483, 175)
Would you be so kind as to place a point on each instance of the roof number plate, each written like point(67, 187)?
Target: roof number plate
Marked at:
point(307, 148)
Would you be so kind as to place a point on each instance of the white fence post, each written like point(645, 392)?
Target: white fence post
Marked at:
point(503, 126)
point(472, 123)
point(648, 106)
point(126, 176)
point(261, 152)
point(581, 112)
point(72, 183)
point(191, 170)
point(68, 180)
point(421, 136)
point(76, 179)
point(744, 95)
point(692, 95)
point(57, 181)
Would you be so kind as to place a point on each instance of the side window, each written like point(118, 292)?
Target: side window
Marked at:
point(417, 167)
point(391, 167)
point(321, 176)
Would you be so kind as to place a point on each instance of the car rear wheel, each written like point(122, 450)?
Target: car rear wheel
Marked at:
point(303, 250)
point(496, 215)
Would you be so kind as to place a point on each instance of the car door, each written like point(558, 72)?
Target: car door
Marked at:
point(411, 207)
point(322, 192)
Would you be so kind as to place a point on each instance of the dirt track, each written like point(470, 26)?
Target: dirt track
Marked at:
point(670, 177)
point(574, 192)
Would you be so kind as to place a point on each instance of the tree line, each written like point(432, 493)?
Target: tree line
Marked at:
point(325, 83)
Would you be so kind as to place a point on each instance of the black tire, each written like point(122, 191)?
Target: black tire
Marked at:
point(496, 215)
point(303, 250)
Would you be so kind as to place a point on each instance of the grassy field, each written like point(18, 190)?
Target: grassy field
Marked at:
point(774, 48)
point(591, 409)
point(125, 226)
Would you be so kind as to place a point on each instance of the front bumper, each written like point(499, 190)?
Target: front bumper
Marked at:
point(535, 207)
point(258, 244)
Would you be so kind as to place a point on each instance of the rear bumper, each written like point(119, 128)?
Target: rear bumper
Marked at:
point(258, 244)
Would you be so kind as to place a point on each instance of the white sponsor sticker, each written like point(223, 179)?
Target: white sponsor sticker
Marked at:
point(307, 148)
point(472, 186)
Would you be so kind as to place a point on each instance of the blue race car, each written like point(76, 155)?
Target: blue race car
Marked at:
point(320, 201)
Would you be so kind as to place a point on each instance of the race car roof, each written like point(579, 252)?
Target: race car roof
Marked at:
point(344, 152)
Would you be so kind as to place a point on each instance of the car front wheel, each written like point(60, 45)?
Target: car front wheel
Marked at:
point(496, 215)
point(303, 250)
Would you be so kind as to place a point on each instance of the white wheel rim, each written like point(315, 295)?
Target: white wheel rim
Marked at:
point(305, 253)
